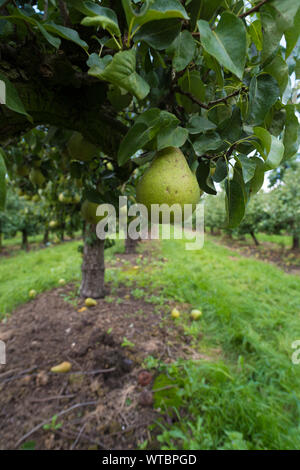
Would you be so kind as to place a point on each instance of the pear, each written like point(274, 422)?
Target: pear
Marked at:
point(168, 180)
point(175, 313)
point(62, 368)
point(89, 302)
point(36, 177)
point(88, 212)
point(81, 149)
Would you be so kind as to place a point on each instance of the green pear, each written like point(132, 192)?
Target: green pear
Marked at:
point(88, 212)
point(168, 180)
point(81, 149)
point(36, 177)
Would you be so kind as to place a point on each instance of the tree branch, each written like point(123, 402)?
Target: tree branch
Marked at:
point(64, 13)
point(210, 104)
point(254, 9)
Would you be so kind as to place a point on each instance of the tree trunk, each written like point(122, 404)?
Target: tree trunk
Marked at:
point(1, 242)
point(296, 244)
point(92, 284)
point(212, 230)
point(46, 237)
point(25, 245)
point(254, 238)
point(130, 245)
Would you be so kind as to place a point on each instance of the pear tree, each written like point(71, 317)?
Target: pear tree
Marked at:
point(212, 78)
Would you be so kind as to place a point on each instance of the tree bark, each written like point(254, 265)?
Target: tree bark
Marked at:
point(130, 245)
point(254, 238)
point(25, 245)
point(296, 243)
point(92, 284)
point(46, 236)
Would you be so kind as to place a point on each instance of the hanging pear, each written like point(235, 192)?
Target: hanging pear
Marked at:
point(168, 180)
point(81, 149)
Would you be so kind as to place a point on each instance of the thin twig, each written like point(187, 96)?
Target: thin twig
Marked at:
point(78, 437)
point(45, 15)
point(253, 10)
point(71, 434)
point(64, 13)
point(210, 104)
point(46, 421)
point(20, 375)
point(55, 397)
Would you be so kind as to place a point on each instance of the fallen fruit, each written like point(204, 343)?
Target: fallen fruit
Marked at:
point(175, 313)
point(32, 293)
point(144, 378)
point(61, 282)
point(89, 302)
point(82, 309)
point(62, 368)
point(195, 314)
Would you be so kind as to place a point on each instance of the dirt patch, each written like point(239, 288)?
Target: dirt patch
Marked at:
point(286, 259)
point(102, 402)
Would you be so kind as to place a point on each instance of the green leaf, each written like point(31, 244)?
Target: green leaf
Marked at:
point(235, 197)
point(12, 99)
point(287, 9)
point(97, 15)
point(159, 34)
point(101, 16)
point(18, 16)
point(2, 180)
point(65, 33)
point(248, 167)
point(291, 136)
point(256, 34)
point(156, 10)
point(254, 185)
point(182, 50)
point(204, 179)
point(207, 142)
point(170, 137)
point(202, 9)
point(221, 170)
point(263, 93)
point(227, 43)
point(199, 124)
point(273, 26)
point(145, 129)
point(118, 99)
point(278, 68)
point(121, 72)
point(191, 82)
point(273, 148)
point(292, 35)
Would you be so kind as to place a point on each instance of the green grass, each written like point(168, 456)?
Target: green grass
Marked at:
point(251, 310)
point(282, 240)
point(248, 395)
point(39, 270)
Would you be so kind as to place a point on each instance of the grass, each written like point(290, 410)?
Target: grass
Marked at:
point(39, 270)
point(281, 240)
point(251, 311)
point(248, 395)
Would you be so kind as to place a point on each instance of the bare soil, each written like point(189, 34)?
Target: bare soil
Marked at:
point(106, 396)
